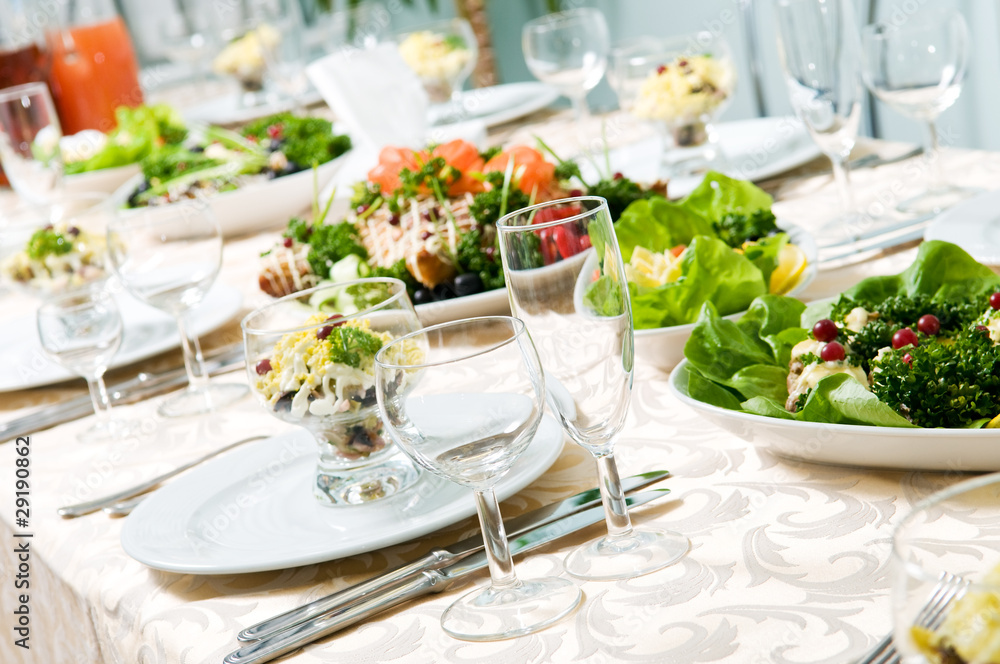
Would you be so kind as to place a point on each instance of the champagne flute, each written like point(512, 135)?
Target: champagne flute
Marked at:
point(464, 400)
point(29, 142)
point(918, 69)
point(568, 50)
point(168, 257)
point(82, 331)
point(566, 281)
point(820, 53)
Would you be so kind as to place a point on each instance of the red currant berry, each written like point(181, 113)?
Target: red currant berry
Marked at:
point(661, 69)
point(575, 193)
point(995, 300)
point(288, 242)
point(929, 324)
point(832, 352)
point(619, 175)
point(336, 317)
point(324, 332)
point(907, 359)
point(904, 337)
point(983, 329)
point(263, 367)
point(825, 330)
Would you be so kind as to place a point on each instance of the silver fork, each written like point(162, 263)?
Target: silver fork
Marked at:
point(948, 589)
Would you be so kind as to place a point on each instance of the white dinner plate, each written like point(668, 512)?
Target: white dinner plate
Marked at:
point(104, 180)
point(268, 204)
point(148, 331)
point(974, 225)
point(952, 450)
point(756, 149)
point(227, 109)
point(496, 104)
point(253, 510)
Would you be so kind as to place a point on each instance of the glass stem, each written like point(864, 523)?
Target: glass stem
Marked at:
point(843, 179)
point(580, 109)
point(935, 178)
point(615, 508)
point(194, 361)
point(99, 397)
point(495, 537)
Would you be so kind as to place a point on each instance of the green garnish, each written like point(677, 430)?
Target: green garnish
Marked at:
point(735, 229)
point(46, 242)
point(307, 141)
point(454, 42)
point(473, 257)
point(350, 345)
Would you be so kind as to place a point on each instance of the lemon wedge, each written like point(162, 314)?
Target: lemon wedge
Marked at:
point(791, 264)
point(994, 423)
point(651, 269)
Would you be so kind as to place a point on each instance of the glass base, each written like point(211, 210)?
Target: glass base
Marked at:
point(494, 614)
point(936, 200)
point(690, 150)
point(642, 552)
point(110, 431)
point(204, 400)
point(367, 484)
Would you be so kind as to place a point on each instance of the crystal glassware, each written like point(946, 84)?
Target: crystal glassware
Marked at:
point(680, 85)
point(168, 257)
point(464, 400)
point(820, 51)
point(82, 331)
point(29, 142)
point(442, 55)
point(566, 281)
point(310, 359)
point(947, 547)
point(918, 67)
point(568, 50)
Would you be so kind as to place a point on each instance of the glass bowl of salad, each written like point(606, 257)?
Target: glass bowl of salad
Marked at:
point(442, 55)
point(310, 360)
point(681, 85)
point(946, 563)
point(56, 248)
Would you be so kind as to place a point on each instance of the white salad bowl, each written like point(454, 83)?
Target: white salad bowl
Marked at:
point(955, 450)
point(663, 347)
point(104, 180)
point(263, 205)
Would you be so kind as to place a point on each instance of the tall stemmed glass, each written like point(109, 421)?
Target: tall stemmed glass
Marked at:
point(566, 281)
point(821, 56)
point(464, 400)
point(568, 50)
point(918, 69)
point(29, 142)
point(169, 257)
point(82, 331)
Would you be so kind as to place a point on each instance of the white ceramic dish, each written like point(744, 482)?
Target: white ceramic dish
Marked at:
point(756, 149)
point(663, 347)
point(490, 303)
point(496, 104)
point(951, 450)
point(974, 225)
point(253, 510)
point(260, 206)
point(148, 331)
point(105, 180)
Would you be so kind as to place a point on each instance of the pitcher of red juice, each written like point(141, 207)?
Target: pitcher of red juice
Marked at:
point(22, 58)
point(93, 70)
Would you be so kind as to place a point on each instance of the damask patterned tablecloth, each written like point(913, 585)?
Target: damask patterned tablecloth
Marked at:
point(788, 560)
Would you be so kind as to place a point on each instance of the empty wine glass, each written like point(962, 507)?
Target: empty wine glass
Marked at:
point(29, 142)
point(82, 331)
point(918, 68)
point(820, 53)
point(566, 281)
point(946, 565)
point(464, 400)
point(568, 50)
point(168, 257)
point(188, 39)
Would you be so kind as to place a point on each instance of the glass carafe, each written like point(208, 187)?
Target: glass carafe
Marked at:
point(22, 58)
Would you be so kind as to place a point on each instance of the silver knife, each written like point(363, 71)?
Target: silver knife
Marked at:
point(426, 582)
point(439, 557)
point(141, 387)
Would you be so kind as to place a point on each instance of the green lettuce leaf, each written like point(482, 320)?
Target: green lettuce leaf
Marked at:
point(840, 399)
point(658, 224)
point(719, 195)
point(764, 253)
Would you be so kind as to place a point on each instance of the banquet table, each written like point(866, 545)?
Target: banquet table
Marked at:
point(788, 559)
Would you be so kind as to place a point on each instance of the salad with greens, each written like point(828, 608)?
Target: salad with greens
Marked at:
point(139, 132)
point(917, 349)
point(719, 245)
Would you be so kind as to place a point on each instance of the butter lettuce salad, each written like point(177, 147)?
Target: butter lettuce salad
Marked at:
point(917, 349)
point(719, 245)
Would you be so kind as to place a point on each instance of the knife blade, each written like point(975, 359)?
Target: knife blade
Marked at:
point(439, 557)
point(426, 582)
point(141, 387)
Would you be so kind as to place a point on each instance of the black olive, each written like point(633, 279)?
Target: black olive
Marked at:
point(444, 291)
point(422, 296)
point(468, 284)
point(276, 144)
point(197, 148)
point(284, 402)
